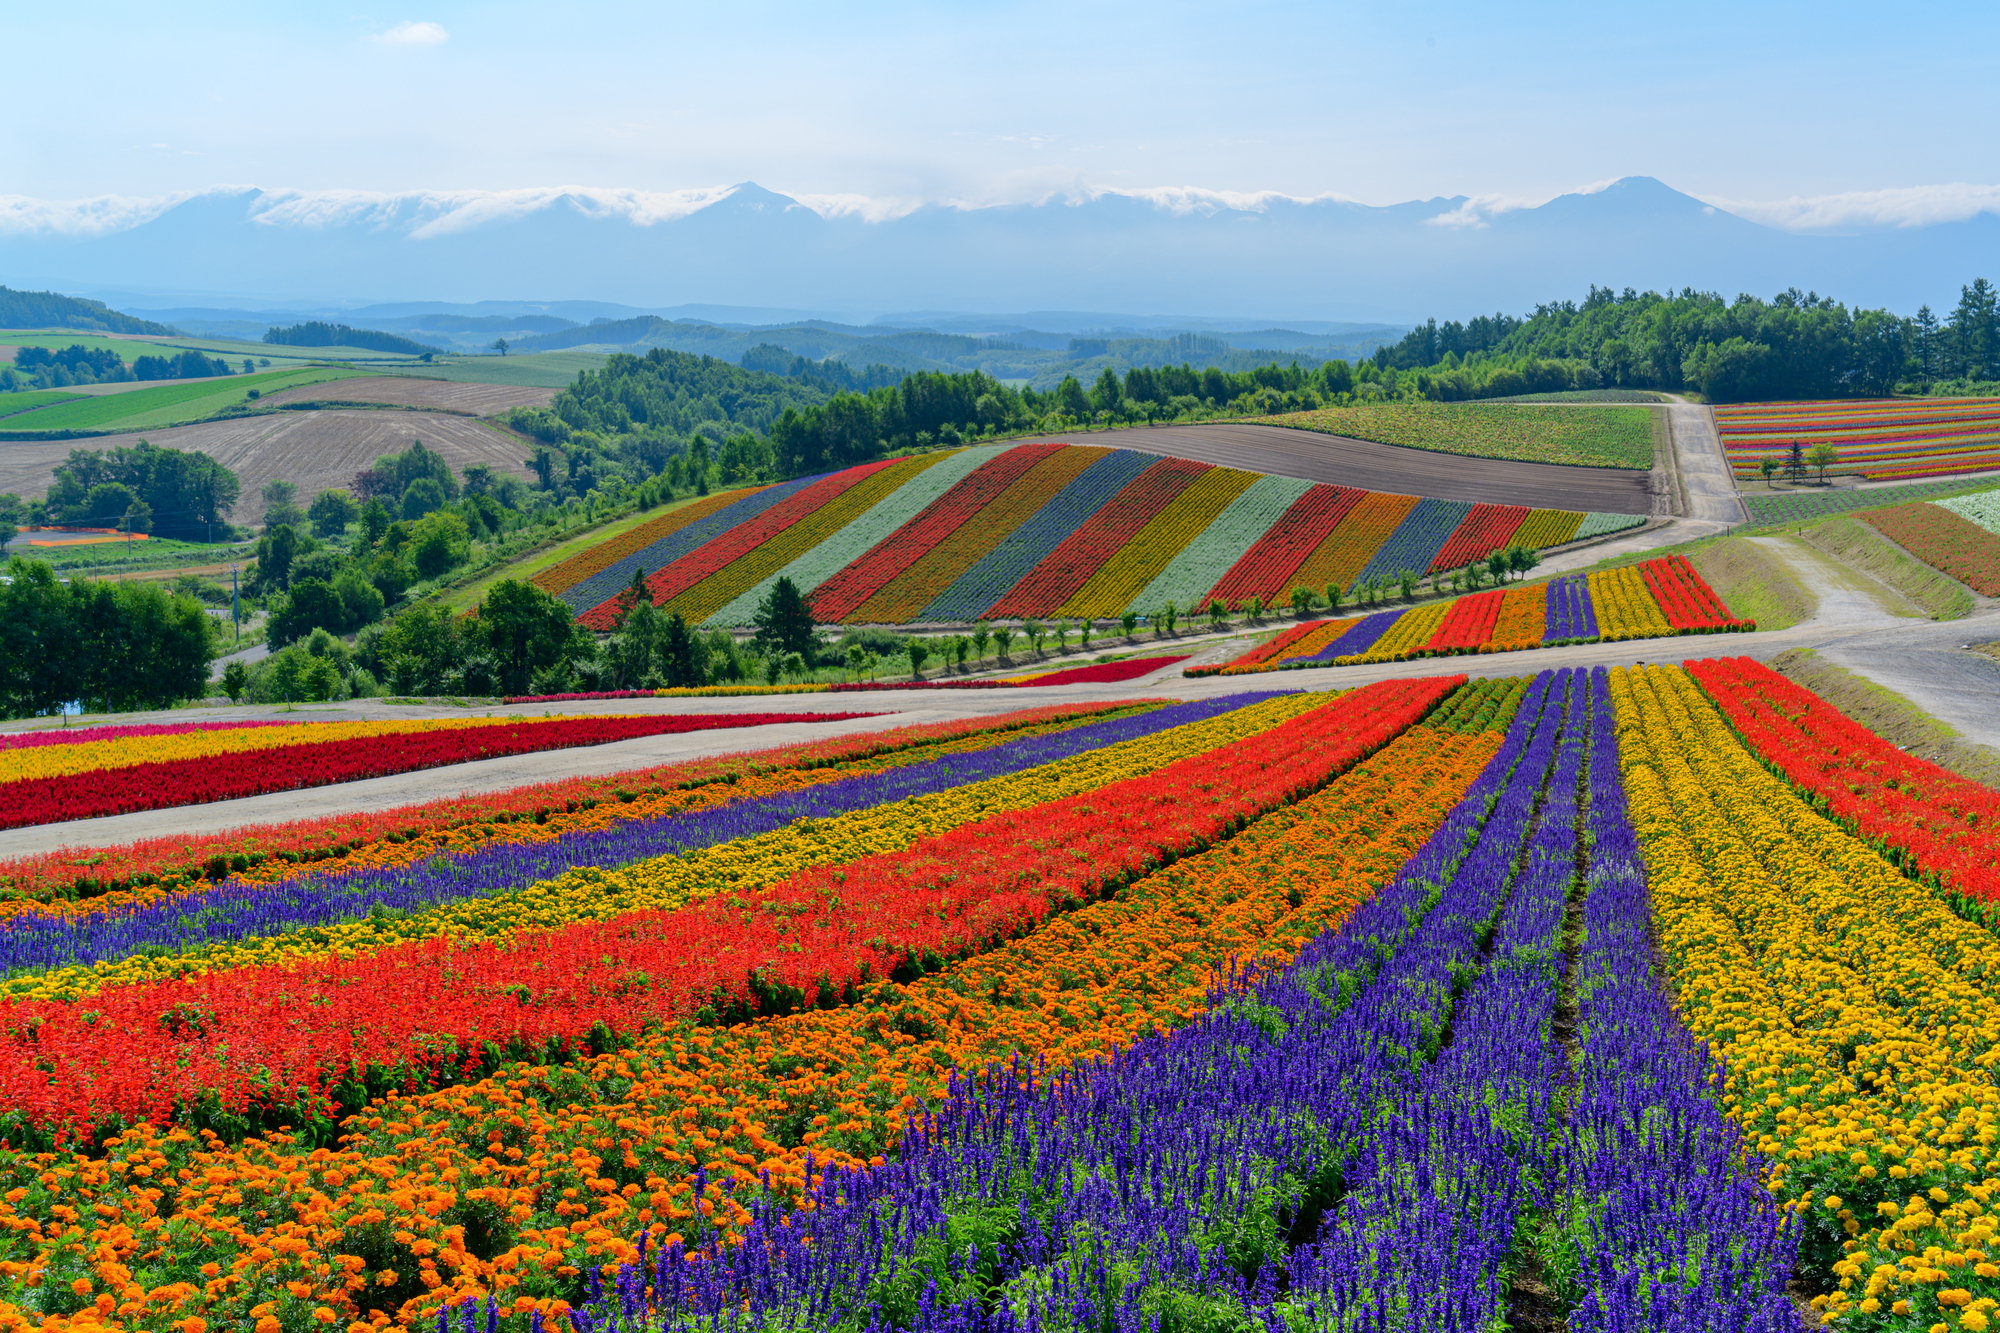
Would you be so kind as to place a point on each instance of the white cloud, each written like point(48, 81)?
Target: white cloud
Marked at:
point(107, 213)
point(865, 207)
point(412, 34)
point(432, 213)
point(1912, 206)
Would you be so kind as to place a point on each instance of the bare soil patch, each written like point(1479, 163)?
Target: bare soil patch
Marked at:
point(314, 450)
point(478, 400)
point(1366, 465)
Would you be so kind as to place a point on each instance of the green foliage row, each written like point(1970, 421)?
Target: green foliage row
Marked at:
point(1795, 506)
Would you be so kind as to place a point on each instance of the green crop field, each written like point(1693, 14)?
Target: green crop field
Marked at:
point(148, 409)
point(12, 403)
point(130, 349)
point(538, 370)
point(1574, 436)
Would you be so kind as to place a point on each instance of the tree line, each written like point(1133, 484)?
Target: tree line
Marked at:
point(51, 368)
point(1796, 345)
point(319, 333)
point(111, 647)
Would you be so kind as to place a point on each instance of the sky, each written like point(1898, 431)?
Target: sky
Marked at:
point(1802, 114)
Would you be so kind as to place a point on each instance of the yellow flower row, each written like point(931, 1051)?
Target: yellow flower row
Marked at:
point(664, 883)
point(1412, 630)
point(86, 756)
point(1854, 1012)
point(1625, 606)
point(1120, 580)
point(1547, 527)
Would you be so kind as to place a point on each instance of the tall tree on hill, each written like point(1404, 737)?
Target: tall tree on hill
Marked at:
point(1976, 331)
point(784, 622)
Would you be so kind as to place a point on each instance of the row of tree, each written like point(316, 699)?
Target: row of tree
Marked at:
point(1796, 345)
point(66, 367)
point(319, 333)
point(142, 488)
point(111, 647)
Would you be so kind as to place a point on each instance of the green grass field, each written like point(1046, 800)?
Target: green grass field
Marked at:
point(539, 370)
point(1573, 436)
point(130, 349)
point(12, 403)
point(170, 404)
point(1793, 506)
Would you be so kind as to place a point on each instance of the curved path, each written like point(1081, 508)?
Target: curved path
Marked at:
point(1369, 466)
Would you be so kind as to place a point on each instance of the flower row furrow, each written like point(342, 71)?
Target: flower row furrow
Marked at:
point(535, 1161)
point(1109, 529)
point(889, 537)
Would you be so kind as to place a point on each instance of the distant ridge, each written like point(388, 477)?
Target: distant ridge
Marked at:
point(51, 310)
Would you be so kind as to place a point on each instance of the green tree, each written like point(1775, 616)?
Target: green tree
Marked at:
point(1822, 456)
point(784, 622)
point(235, 680)
point(1071, 400)
point(423, 496)
point(332, 511)
point(1003, 635)
point(919, 650)
point(276, 550)
point(528, 631)
point(311, 604)
point(1767, 467)
point(1302, 602)
point(1333, 592)
point(439, 543)
point(1107, 395)
point(982, 634)
point(1218, 614)
point(281, 505)
point(1034, 631)
point(683, 657)
point(1129, 622)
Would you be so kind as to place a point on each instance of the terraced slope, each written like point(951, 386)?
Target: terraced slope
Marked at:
point(1038, 530)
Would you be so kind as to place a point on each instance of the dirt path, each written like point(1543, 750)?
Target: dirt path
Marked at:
point(1312, 456)
point(1845, 596)
point(1705, 479)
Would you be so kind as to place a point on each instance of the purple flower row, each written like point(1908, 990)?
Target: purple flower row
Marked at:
point(237, 909)
point(1570, 613)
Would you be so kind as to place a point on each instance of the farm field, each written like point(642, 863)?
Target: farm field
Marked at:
point(479, 400)
point(1369, 465)
point(187, 400)
point(315, 450)
point(1035, 530)
point(1959, 536)
point(887, 991)
point(130, 347)
point(1572, 436)
point(1793, 506)
point(1881, 440)
point(540, 370)
point(1652, 599)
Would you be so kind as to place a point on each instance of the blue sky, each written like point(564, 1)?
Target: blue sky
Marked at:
point(990, 100)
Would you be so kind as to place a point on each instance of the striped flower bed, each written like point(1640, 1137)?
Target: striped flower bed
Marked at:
point(1274, 562)
point(1120, 581)
point(1415, 543)
point(1191, 577)
point(1104, 536)
point(1881, 440)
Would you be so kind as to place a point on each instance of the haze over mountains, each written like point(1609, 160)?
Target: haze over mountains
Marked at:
point(1184, 253)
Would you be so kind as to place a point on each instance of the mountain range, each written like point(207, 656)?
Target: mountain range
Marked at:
point(1215, 255)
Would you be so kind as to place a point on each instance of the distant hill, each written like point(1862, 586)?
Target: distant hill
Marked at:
point(50, 310)
point(317, 333)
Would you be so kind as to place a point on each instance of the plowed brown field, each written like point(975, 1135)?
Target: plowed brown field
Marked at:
point(478, 400)
point(1311, 456)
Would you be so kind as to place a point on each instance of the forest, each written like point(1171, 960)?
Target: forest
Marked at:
point(318, 333)
point(167, 492)
point(1796, 345)
point(50, 310)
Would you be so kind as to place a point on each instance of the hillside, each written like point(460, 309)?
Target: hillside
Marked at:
point(1035, 530)
point(49, 310)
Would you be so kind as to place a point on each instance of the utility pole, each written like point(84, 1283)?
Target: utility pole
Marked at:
point(235, 615)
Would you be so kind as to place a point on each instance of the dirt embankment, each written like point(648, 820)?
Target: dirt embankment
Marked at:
point(1861, 547)
point(1755, 583)
point(1366, 465)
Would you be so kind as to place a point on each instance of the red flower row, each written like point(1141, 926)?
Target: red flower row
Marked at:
point(1684, 596)
point(1060, 573)
point(1469, 623)
point(156, 786)
point(282, 1036)
point(1936, 821)
point(1266, 569)
point(845, 593)
point(1105, 672)
point(1482, 532)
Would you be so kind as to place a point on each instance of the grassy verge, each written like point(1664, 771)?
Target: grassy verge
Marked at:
point(1890, 716)
point(1858, 546)
point(1754, 583)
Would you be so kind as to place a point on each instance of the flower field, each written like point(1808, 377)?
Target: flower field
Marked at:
point(1947, 539)
point(1268, 1010)
point(1653, 599)
point(1887, 440)
point(48, 783)
point(1036, 530)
